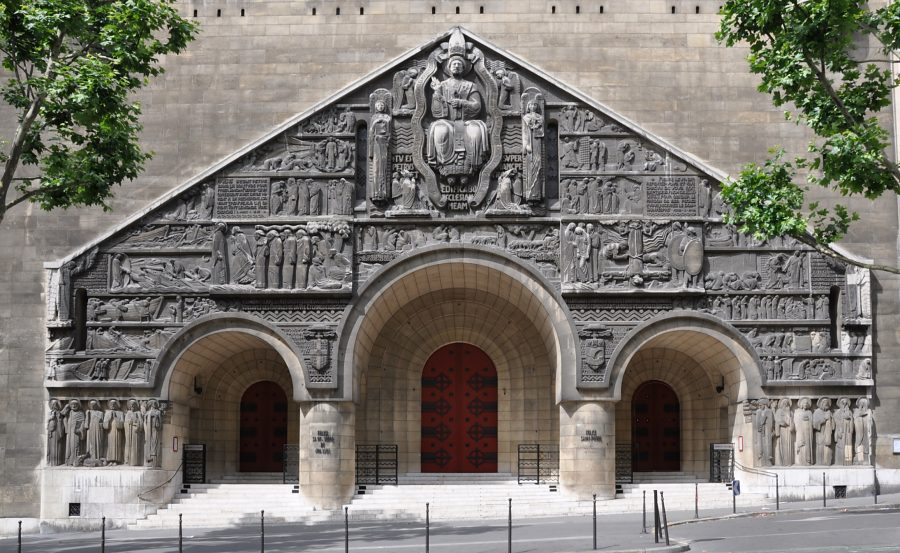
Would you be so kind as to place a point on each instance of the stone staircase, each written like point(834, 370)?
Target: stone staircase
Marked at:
point(236, 500)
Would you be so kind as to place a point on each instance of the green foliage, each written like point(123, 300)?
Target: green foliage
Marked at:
point(814, 58)
point(74, 65)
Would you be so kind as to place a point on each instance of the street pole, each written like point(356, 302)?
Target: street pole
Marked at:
point(644, 525)
point(20, 537)
point(103, 535)
point(665, 521)
point(655, 516)
point(509, 536)
point(595, 522)
point(346, 529)
point(179, 533)
point(696, 500)
point(427, 529)
point(262, 532)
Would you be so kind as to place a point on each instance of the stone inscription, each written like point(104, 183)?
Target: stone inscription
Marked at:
point(671, 196)
point(323, 440)
point(588, 436)
point(242, 198)
point(458, 195)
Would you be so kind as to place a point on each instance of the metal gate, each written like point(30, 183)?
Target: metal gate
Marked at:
point(376, 464)
point(290, 473)
point(721, 462)
point(538, 463)
point(193, 459)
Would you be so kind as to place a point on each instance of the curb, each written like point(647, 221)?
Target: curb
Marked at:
point(839, 508)
point(676, 547)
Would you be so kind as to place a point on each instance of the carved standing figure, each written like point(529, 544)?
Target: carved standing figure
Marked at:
point(304, 258)
point(533, 147)
point(315, 197)
point(56, 435)
point(863, 427)
point(219, 255)
point(405, 191)
point(114, 425)
point(276, 258)
point(75, 432)
point(241, 257)
point(379, 152)
point(823, 425)
point(152, 434)
point(303, 197)
point(765, 428)
point(803, 442)
point(293, 187)
point(93, 422)
point(784, 434)
point(289, 243)
point(843, 433)
point(134, 435)
point(262, 258)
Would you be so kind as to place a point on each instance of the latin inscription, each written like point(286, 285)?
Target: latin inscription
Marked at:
point(242, 198)
point(671, 196)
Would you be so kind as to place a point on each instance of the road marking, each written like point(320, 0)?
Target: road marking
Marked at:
point(840, 530)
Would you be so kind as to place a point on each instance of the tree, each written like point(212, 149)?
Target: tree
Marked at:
point(830, 61)
point(73, 65)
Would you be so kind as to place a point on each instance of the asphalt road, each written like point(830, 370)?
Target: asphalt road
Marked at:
point(821, 532)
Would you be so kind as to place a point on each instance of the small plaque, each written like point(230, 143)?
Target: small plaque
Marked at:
point(896, 446)
point(671, 196)
point(323, 440)
point(241, 198)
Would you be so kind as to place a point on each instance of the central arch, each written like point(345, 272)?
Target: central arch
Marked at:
point(459, 410)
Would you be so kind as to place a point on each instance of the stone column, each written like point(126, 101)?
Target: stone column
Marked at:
point(327, 453)
point(587, 448)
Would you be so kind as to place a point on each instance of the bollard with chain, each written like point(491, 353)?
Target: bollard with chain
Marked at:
point(262, 531)
point(179, 534)
point(103, 535)
point(427, 529)
point(509, 535)
point(644, 524)
point(346, 529)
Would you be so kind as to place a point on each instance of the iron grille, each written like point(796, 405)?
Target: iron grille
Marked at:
point(194, 461)
point(376, 464)
point(538, 463)
point(291, 469)
point(624, 472)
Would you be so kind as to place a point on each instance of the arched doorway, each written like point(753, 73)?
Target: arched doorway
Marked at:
point(459, 411)
point(656, 428)
point(263, 427)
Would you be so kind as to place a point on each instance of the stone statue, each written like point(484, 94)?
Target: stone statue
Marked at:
point(304, 258)
point(288, 268)
point(508, 86)
point(219, 255)
point(56, 435)
point(803, 442)
point(843, 433)
point(293, 194)
point(765, 428)
point(784, 434)
point(508, 196)
point(863, 427)
point(457, 140)
point(276, 258)
point(406, 92)
point(114, 425)
point(303, 196)
point(823, 425)
point(262, 259)
point(533, 145)
point(75, 432)
point(277, 201)
point(405, 190)
point(379, 147)
point(133, 424)
point(93, 422)
point(241, 266)
point(315, 197)
point(152, 417)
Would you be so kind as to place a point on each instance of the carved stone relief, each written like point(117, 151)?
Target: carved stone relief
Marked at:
point(802, 433)
point(84, 434)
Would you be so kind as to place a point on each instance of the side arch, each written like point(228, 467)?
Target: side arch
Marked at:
point(219, 323)
point(703, 337)
point(455, 268)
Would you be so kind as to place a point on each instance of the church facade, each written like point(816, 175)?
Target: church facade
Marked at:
point(456, 257)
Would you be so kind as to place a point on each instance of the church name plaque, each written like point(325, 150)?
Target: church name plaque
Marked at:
point(242, 197)
point(671, 196)
point(323, 440)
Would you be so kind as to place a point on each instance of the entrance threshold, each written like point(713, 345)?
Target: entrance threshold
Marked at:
point(673, 477)
point(431, 478)
point(250, 478)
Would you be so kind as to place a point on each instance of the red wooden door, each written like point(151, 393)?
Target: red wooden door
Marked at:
point(459, 411)
point(263, 428)
point(655, 428)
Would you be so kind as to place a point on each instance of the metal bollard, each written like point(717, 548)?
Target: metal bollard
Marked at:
point(595, 522)
point(427, 529)
point(509, 538)
point(777, 495)
point(655, 516)
point(665, 521)
point(644, 524)
point(823, 490)
point(346, 529)
point(696, 500)
point(20, 537)
point(262, 531)
point(179, 533)
point(103, 535)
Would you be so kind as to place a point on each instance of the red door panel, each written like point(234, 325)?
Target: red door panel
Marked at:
point(655, 428)
point(263, 428)
point(459, 411)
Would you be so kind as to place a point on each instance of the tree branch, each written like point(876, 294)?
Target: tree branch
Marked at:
point(30, 194)
point(834, 254)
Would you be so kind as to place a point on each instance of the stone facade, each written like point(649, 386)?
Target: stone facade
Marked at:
point(458, 194)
